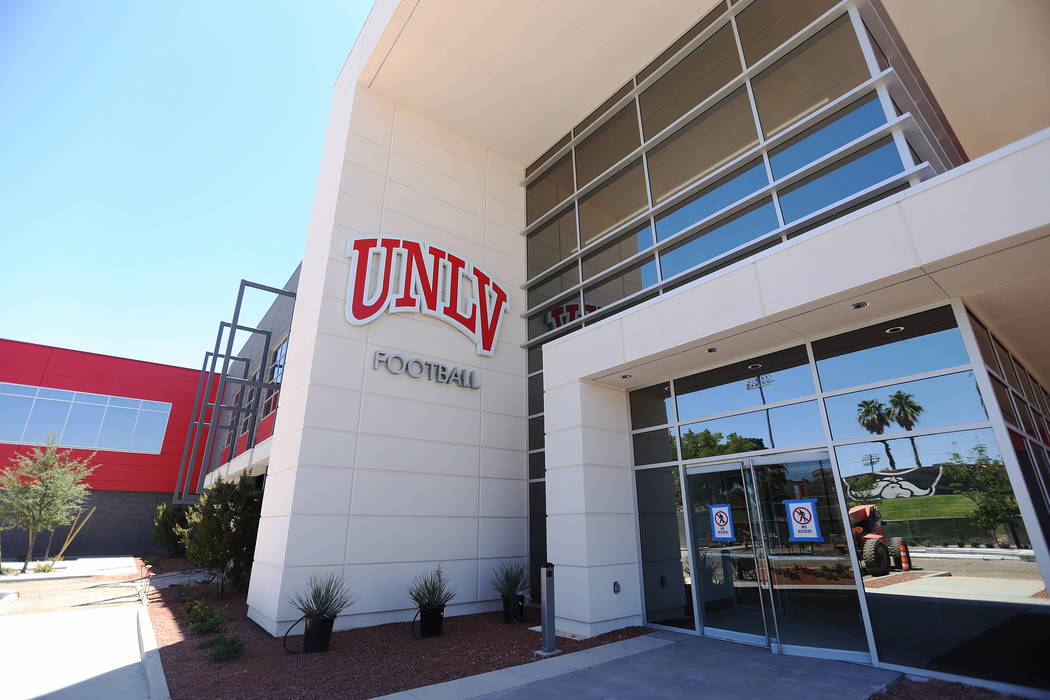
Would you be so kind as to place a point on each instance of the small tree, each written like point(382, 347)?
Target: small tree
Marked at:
point(165, 523)
point(983, 479)
point(220, 531)
point(43, 490)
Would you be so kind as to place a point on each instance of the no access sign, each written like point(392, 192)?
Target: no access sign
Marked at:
point(803, 525)
point(722, 523)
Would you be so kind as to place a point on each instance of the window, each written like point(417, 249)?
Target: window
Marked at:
point(250, 395)
point(276, 374)
point(28, 415)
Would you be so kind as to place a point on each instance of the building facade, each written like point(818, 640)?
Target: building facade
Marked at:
point(132, 415)
point(708, 304)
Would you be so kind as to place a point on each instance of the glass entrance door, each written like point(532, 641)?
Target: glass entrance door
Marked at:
point(773, 564)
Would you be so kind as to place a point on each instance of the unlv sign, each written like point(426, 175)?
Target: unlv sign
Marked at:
point(394, 275)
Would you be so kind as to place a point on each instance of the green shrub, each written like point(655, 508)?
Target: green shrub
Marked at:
point(213, 623)
point(221, 529)
point(165, 529)
point(209, 642)
point(196, 611)
point(44, 567)
point(152, 560)
point(226, 648)
point(326, 595)
point(431, 590)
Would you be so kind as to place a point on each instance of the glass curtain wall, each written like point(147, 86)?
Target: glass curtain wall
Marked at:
point(921, 474)
point(759, 123)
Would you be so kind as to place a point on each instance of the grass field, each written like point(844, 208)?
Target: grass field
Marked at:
point(947, 506)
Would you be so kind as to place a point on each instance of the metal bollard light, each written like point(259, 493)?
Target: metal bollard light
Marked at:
point(547, 608)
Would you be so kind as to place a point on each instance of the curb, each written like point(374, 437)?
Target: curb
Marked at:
point(158, 684)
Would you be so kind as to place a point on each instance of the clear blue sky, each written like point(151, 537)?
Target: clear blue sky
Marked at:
point(153, 154)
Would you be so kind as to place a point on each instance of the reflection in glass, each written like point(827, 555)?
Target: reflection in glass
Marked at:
point(84, 422)
point(537, 534)
point(711, 199)
point(814, 589)
point(767, 24)
point(555, 316)
point(613, 289)
point(747, 432)
point(826, 66)
point(552, 243)
point(982, 616)
point(727, 569)
point(651, 406)
point(545, 192)
point(535, 392)
point(1002, 397)
point(613, 203)
point(984, 343)
point(696, 77)
point(926, 341)
point(149, 432)
point(731, 233)
point(116, 428)
point(772, 378)
point(17, 389)
point(617, 251)
point(711, 140)
point(655, 446)
point(536, 465)
point(797, 424)
point(666, 578)
point(860, 171)
point(1007, 366)
point(14, 411)
point(536, 433)
point(48, 418)
point(610, 143)
point(834, 132)
point(64, 395)
point(554, 286)
point(951, 399)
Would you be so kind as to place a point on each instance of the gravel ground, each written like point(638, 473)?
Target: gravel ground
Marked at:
point(361, 663)
point(908, 689)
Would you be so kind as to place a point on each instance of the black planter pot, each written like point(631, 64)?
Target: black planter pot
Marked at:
point(430, 620)
point(513, 608)
point(318, 633)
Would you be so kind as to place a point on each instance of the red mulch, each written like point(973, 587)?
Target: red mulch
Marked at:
point(1040, 594)
point(361, 663)
point(907, 689)
point(169, 564)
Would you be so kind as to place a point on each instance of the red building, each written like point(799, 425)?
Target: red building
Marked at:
point(133, 415)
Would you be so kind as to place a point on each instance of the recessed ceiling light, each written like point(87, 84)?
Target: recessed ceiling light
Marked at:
point(857, 305)
point(755, 365)
point(712, 349)
point(625, 376)
point(895, 329)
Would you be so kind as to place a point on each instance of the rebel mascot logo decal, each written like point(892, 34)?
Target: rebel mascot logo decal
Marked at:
point(398, 274)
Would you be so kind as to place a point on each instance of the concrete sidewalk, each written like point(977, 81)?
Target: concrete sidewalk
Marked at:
point(667, 665)
point(88, 653)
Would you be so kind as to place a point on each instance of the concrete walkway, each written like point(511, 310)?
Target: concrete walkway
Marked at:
point(72, 568)
point(92, 653)
point(668, 665)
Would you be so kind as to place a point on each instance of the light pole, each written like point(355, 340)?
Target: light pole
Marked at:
point(757, 383)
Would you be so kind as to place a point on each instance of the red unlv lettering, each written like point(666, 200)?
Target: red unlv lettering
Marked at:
point(395, 274)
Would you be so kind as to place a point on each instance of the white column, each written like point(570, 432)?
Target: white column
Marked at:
point(591, 518)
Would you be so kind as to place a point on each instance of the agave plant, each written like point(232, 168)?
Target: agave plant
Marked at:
point(431, 590)
point(326, 595)
point(510, 579)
